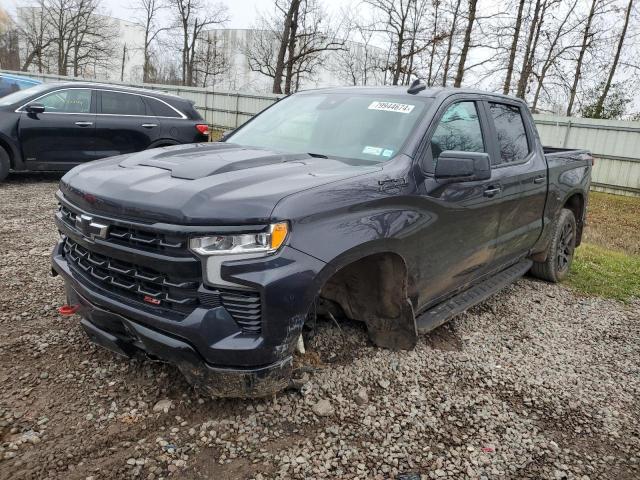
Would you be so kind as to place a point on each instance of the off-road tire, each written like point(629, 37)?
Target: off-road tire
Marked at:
point(560, 250)
point(5, 164)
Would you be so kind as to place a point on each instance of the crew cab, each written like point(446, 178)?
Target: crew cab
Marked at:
point(399, 208)
point(56, 126)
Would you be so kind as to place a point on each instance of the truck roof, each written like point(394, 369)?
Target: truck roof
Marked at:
point(429, 92)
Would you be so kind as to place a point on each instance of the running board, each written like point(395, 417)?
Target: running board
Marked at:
point(443, 312)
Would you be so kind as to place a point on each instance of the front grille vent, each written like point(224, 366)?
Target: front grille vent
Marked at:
point(243, 305)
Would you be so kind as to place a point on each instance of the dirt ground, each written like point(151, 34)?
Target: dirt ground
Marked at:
point(536, 382)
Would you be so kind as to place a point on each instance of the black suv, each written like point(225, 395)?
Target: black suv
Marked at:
point(56, 126)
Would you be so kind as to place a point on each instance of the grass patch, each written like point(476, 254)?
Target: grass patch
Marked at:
point(597, 270)
point(607, 264)
point(613, 221)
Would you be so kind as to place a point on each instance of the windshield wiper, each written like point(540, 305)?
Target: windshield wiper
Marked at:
point(316, 155)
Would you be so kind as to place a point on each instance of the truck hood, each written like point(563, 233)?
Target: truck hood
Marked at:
point(199, 184)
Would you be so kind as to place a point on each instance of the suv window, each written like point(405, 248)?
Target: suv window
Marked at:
point(161, 109)
point(75, 100)
point(458, 129)
point(512, 135)
point(115, 103)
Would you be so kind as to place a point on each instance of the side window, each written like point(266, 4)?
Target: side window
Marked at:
point(161, 109)
point(75, 100)
point(512, 136)
point(115, 103)
point(458, 129)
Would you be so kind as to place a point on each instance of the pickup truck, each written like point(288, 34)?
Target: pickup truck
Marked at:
point(396, 207)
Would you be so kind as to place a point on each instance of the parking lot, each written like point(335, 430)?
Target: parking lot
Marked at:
point(537, 382)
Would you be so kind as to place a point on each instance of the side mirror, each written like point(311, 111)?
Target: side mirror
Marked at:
point(453, 166)
point(35, 108)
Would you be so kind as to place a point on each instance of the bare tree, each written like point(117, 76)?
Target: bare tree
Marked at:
point(306, 36)
point(193, 17)
point(81, 37)
point(211, 60)
point(400, 21)
point(539, 13)
point(614, 64)
point(554, 51)
point(450, 40)
point(514, 47)
point(586, 40)
point(147, 13)
point(471, 18)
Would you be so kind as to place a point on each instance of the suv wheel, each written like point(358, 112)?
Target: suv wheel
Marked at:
point(560, 250)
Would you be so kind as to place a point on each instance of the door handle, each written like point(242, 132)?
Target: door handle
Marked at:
point(84, 124)
point(149, 125)
point(539, 179)
point(492, 190)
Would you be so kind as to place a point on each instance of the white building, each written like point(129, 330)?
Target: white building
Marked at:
point(333, 68)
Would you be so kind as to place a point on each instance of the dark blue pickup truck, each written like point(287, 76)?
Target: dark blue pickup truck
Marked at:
point(399, 208)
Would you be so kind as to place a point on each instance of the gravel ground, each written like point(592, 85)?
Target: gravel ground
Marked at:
point(537, 382)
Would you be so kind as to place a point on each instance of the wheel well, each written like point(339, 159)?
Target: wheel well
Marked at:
point(575, 203)
point(373, 289)
point(4, 146)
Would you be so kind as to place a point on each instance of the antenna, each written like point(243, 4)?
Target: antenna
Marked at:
point(417, 86)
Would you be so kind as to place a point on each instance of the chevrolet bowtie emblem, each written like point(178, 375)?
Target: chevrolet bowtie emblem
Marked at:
point(89, 228)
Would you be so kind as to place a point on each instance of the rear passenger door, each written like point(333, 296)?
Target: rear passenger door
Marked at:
point(520, 168)
point(124, 124)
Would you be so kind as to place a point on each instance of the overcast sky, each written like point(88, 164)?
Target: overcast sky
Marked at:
point(242, 12)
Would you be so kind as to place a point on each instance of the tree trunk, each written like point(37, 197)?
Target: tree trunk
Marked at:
point(436, 4)
point(551, 56)
point(146, 66)
point(284, 41)
point(529, 50)
point(292, 49)
point(583, 49)
point(514, 48)
point(467, 42)
point(447, 60)
point(397, 69)
point(614, 65)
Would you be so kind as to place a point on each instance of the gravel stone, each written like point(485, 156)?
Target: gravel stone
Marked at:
point(537, 382)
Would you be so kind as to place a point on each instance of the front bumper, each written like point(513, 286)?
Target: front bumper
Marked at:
point(206, 345)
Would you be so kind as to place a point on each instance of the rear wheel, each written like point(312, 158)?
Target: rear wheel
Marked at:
point(5, 164)
point(560, 250)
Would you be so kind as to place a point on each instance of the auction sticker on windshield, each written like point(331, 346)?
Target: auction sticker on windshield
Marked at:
point(391, 107)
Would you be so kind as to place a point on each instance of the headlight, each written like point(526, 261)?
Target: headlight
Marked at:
point(264, 242)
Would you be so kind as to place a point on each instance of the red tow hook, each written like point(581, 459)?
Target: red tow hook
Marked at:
point(67, 310)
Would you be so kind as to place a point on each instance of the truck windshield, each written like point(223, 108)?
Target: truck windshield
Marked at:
point(368, 128)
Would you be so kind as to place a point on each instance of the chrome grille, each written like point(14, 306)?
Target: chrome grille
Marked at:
point(135, 237)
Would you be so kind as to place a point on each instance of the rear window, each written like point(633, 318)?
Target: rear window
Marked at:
point(512, 136)
point(161, 109)
point(115, 103)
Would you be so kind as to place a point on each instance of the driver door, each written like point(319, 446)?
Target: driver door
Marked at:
point(63, 135)
point(459, 245)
